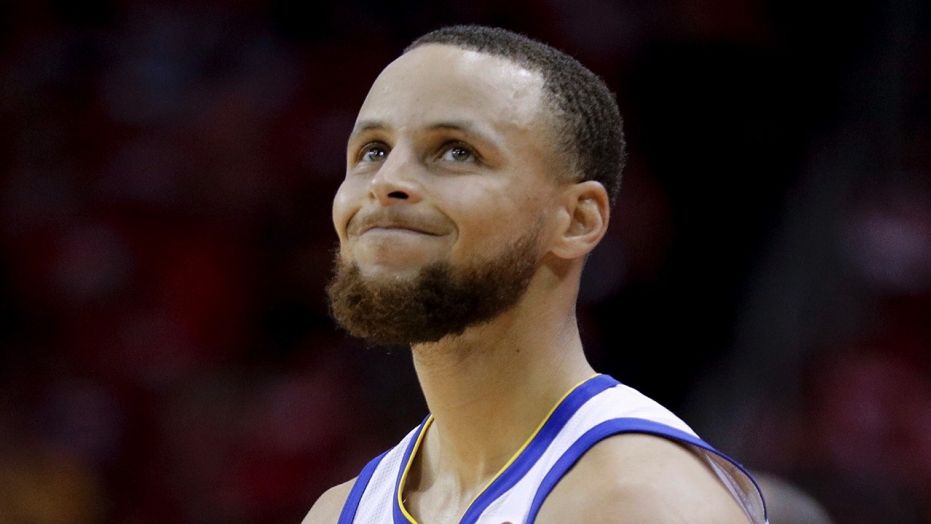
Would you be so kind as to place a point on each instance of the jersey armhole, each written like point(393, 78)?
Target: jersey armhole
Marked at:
point(755, 509)
point(348, 513)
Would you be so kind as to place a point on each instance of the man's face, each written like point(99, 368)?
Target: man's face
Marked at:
point(448, 167)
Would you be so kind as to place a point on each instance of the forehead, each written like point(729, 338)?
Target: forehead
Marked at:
point(436, 83)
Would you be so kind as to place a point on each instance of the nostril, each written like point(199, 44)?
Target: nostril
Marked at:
point(398, 194)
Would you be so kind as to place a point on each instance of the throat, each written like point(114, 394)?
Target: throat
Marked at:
point(489, 390)
point(431, 492)
point(445, 476)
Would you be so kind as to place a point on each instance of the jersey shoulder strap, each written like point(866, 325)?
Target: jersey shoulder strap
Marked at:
point(591, 412)
point(371, 499)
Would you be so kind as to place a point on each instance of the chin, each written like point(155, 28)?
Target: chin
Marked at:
point(392, 269)
point(385, 273)
point(392, 266)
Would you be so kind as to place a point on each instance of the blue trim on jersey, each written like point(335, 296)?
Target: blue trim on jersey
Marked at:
point(614, 427)
point(348, 513)
point(399, 517)
point(540, 443)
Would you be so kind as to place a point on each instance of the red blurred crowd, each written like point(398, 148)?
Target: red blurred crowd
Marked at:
point(167, 172)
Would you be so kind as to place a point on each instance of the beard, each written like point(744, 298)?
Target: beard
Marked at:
point(440, 301)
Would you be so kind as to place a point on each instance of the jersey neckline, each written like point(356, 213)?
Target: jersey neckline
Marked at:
point(519, 463)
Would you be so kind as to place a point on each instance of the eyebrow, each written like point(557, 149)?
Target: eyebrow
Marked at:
point(367, 125)
point(463, 126)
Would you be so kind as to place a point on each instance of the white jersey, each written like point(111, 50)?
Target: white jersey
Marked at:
point(592, 411)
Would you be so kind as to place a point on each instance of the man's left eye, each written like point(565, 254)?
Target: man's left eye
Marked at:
point(458, 153)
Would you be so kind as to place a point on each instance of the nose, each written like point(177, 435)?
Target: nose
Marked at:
point(396, 180)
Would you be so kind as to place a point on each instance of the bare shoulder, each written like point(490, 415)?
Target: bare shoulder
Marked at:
point(328, 507)
point(640, 478)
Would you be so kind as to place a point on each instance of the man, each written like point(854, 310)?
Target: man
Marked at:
point(480, 175)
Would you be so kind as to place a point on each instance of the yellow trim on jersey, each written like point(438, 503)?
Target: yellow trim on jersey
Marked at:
point(529, 440)
point(504, 468)
point(407, 467)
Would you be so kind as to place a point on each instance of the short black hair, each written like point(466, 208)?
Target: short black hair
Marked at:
point(589, 122)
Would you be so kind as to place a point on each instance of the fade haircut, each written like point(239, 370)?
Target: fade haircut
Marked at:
point(588, 122)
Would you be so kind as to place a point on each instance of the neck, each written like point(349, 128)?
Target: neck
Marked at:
point(490, 388)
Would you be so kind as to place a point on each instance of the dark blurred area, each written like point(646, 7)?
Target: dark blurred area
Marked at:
point(167, 173)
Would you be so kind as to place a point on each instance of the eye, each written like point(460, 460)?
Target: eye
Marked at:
point(458, 152)
point(373, 152)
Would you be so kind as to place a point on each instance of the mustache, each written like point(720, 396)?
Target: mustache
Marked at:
point(394, 217)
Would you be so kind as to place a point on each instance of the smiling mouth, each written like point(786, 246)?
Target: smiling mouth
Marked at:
point(396, 221)
point(397, 229)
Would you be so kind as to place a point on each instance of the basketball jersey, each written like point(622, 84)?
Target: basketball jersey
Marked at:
point(592, 411)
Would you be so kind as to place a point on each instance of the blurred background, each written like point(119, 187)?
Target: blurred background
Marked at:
point(166, 173)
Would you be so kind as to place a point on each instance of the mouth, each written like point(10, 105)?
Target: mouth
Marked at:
point(396, 228)
point(397, 222)
point(386, 223)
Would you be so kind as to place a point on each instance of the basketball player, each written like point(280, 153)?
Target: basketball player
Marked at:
point(480, 175)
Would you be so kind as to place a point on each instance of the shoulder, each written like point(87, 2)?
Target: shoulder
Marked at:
point(328, 507)
point(640, 478)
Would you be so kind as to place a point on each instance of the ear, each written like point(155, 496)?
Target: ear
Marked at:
point(583, 219)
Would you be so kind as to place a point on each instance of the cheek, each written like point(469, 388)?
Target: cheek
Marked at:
point(490, 217)
point(345, 205)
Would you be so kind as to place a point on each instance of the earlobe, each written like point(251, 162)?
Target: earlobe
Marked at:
point(585, 216)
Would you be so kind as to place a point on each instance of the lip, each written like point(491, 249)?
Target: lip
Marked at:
point(397, 221)
point(396, 229)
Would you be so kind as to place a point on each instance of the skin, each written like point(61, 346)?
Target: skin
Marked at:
point(447, 166)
